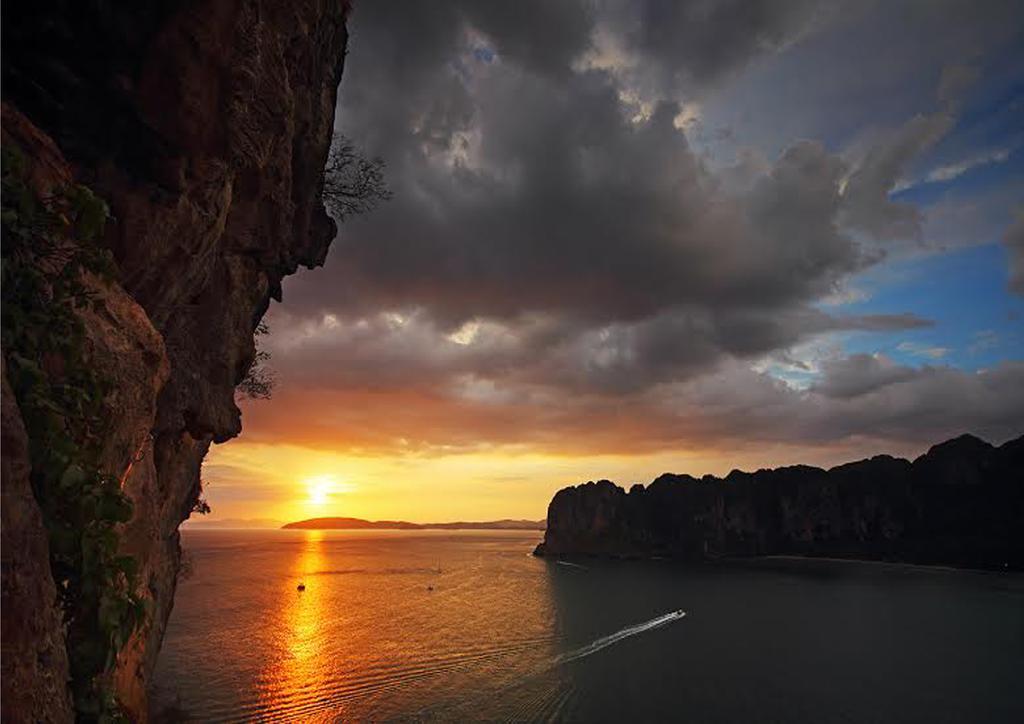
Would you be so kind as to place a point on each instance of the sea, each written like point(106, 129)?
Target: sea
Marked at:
point(468, 626)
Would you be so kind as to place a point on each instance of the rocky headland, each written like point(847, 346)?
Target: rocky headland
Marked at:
point(959, 504)
point(203, 129)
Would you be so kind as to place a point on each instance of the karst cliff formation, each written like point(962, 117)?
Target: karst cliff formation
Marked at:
point(961, 504)
point(204, 127)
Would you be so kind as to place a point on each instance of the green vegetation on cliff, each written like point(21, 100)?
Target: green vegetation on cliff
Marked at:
point(49, 249)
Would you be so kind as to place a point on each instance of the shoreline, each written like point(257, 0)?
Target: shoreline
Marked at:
point(780, 557)
point(877, 562)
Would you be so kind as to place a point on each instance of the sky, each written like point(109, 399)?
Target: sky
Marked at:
point(631, 238)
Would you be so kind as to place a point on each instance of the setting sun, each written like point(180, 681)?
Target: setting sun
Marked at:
point(320, 489)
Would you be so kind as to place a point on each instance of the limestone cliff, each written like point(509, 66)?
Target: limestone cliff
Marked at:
point(961, 503)
point(205, 125)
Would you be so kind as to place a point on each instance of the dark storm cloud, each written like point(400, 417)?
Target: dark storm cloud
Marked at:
point(563, 206)
point(697, 41)
point(410, 352)
point(542, 36)
point(928, 403)
point(866, 202)
point(526, 187)
point(864, 397)
point(884, 322)
point(729, 410)
point(860, 374)
point(526, 184)
point(683, 343)
point(557, 250)
point(574, 209)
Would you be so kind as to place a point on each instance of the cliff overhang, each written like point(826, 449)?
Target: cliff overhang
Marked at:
point(205, 127)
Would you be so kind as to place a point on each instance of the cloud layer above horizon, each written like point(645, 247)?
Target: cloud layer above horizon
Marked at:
point(636, 227)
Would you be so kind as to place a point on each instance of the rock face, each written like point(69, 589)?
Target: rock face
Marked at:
point(961, 503)
point(205, 125)
point(35, 664)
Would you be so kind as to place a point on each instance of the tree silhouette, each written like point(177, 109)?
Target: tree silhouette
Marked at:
point(353, 184)
point(259, 380)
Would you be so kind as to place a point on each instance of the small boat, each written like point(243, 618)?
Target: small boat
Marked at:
point(301, 587)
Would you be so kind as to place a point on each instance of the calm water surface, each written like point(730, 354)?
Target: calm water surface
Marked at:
point(446, 626)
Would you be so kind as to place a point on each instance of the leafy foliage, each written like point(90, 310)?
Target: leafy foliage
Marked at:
point(201, 506)
point(48, 247)
point(353, 184)
point(259, 380)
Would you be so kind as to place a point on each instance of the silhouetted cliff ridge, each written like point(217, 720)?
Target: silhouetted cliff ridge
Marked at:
point(961, 504)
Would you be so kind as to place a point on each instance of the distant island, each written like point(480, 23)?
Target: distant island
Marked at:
point(959, 504)
point(360, 524)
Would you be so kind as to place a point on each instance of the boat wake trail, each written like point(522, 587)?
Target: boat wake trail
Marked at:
point(543, 693)
point(572, 565)
point(606, 641)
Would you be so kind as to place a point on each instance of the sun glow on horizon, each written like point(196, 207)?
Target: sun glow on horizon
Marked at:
point(322, 488)
point(287, 482)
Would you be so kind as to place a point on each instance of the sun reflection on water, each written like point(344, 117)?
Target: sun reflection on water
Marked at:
point(394, 623)
point(298, 669)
